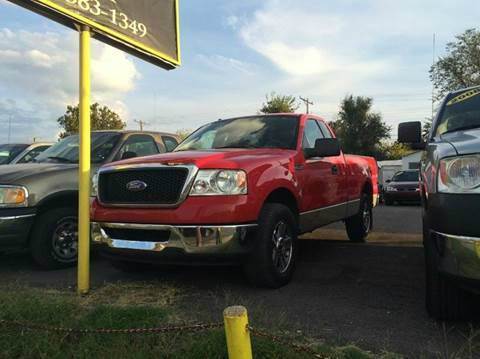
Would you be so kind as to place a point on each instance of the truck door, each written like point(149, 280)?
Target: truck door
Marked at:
point(324, 187)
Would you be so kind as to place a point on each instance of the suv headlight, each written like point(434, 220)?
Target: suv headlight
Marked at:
point(219, 182)
point(94, 185)
point(13, 196)
point(459, 174)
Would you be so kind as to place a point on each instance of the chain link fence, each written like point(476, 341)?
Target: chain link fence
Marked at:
point(20, 325)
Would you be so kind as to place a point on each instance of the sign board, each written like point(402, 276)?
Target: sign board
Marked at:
point(148, 29)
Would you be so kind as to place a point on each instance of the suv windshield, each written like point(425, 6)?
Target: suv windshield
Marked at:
point(245, 132)
point(461, 112)
point(67, 150)
point(9, 152)
point(406, 176)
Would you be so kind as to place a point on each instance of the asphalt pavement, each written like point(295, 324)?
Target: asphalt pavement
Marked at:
point(369, 294)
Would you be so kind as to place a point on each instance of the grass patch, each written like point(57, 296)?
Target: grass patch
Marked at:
point(122, 306)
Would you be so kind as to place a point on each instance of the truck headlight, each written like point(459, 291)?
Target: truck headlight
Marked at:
point(13, 196)
point(459, 174)
point(219, 182)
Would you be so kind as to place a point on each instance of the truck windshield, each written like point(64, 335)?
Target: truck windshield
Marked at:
point(461, 112)
point(9, 152)
point(67, 150)
point(406, 176)
point(246, 132)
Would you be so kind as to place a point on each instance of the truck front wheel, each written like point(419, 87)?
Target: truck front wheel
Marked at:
point(271, 262)
point(54, 238)
point(359, 226)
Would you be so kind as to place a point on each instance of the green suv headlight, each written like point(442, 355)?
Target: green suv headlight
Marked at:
point(13, 196)
point(459, 174)
point(219, 182)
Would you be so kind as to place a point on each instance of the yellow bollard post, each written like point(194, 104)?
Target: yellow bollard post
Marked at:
point(84, 166)
point(238, 335)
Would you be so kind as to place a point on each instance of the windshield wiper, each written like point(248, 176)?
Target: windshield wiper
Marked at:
point(462, 128)
point(60, 159)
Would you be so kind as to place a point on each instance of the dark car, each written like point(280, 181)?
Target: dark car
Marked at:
point(21, 153)
point(403, 187)
point(450, 193)
point(38, 201)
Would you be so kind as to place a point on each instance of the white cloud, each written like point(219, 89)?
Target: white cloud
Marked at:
point(379, 48)
point(41, 69)
point(225, 64)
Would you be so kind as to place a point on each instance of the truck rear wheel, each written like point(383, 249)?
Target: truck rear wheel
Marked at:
point(359, 226)
point(271, 262)
point(54, 238)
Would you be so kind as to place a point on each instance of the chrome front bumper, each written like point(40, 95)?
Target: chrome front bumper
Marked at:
point(189, 239)
point(461, 255)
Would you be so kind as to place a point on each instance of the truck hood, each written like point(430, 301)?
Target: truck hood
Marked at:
point(20, 174)
point(228, 159)
point(465, 142)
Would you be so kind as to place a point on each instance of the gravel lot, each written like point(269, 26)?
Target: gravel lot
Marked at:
point(367, 294)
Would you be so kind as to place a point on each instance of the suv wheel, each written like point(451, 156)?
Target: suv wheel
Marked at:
point(443, 299)
point(359, 226)
point(54, 238)
point(271, 262)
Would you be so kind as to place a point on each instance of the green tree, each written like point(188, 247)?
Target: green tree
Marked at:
point(279, 104)
point(102, 118)
point(393, 151)
point(427, 126)
point(460, 67)
point(360, 130)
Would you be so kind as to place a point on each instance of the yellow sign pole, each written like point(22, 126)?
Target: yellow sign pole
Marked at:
point(84, 168)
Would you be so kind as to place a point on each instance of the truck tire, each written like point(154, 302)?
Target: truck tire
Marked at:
point(443, 299)
point(359, 226)
point(54, 238)
point(271, 262)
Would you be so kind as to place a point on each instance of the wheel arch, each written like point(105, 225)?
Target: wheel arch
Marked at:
point(59, 199)
point(286, 197)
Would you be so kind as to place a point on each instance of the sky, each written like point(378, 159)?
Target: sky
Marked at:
point(233, 54)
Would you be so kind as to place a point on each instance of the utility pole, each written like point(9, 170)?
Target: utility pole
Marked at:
point(307, 103)
point(9, 128)
point(141, 123)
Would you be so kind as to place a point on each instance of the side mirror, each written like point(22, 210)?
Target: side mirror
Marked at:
point(388, 181)
point(411, 133)
point(325, 147)
point(129, 154)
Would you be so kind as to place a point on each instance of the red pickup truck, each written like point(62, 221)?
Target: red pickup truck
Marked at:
point(238, 190)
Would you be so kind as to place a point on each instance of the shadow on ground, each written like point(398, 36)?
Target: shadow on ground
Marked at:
point(370, 295)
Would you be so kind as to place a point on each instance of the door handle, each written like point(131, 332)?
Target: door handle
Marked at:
point(335, 170)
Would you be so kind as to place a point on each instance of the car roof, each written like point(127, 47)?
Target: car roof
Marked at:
point(128, 132)
point(282, 114)
point(464, 89)
point(15, 144)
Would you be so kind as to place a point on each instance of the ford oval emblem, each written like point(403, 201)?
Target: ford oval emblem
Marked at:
point(136, 186)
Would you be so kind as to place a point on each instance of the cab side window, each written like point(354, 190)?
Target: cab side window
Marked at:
point(170, 143)
point(138, 146)
point(325, 130)
point(31, 155)
point(311, 134)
